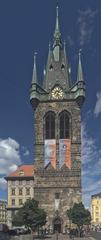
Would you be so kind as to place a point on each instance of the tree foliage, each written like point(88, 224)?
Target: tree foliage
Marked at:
point(30, 215)
point(79, 215)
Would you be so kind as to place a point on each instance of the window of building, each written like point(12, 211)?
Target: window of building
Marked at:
point(13, 191)
point(57, 195)
point(13, 202)
point(51, 67)
point(27, 191)
point(64, 125)
point(20, 202)
point(21, 172)
point(62, 66)
point(20, 191)
point(50, 125)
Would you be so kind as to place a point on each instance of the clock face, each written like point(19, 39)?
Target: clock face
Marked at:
point(57, 93)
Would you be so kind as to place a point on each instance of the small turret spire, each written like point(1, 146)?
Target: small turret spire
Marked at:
point(34, 76)
point(80, 72)
point(57, 34)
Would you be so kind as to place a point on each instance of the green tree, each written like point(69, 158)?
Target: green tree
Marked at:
point(17, 219)
point(30, 215)
point(79, 215)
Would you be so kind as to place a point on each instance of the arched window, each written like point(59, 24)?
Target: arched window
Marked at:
point(64, 125)
point(50, 125)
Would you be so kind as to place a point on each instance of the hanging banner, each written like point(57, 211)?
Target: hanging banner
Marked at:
point(50, 152)
point(65, 152)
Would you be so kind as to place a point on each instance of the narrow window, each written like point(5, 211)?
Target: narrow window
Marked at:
point(20, 202)
point(27, 191)
point(20, 191)
point(13, 202)
point(57, 195)
point(50, 125)
point(62, 66)
point(13, 191)
point(51, 67)
point(64, 125)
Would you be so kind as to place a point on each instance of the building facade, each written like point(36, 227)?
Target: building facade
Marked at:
point(3, 211)
point(20, 189)
point(57, 141)
point(96, 209)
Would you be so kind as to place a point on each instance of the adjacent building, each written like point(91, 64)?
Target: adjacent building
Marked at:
point(57, 139)
point(20, 188)
point(96, 209)
point(3, 211)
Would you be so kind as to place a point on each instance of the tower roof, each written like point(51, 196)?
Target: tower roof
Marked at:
point(57, 68)
point(80, 72)
point(34, 76)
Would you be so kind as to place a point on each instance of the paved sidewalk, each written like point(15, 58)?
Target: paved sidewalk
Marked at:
point(64, 237)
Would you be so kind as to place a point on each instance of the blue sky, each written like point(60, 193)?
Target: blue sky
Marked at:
point(26, 27)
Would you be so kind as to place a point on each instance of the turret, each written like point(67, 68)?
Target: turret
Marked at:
point(80, 83)
point(34, 98)
point(78, 89)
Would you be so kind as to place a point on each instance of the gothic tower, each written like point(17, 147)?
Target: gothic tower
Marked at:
point(57, 142)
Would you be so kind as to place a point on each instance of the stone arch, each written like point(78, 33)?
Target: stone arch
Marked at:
point(65, 124)
point(57, 224)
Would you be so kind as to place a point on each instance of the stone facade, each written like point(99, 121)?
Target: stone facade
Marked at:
point(49, 181)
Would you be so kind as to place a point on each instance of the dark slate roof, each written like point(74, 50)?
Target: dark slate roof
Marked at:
point(96, 195)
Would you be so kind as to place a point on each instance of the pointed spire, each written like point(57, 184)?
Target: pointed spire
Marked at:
point(34, 76)
point(80, 72)
point(57, 33)
point(65, 48)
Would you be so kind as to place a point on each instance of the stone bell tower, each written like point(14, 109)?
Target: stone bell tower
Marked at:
point(57, 142)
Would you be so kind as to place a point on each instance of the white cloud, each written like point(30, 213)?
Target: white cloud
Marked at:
point(86, 25)
point(88, 150)
point(25, 151)
point(3, 184)
point(9, 155)
point(97, 109)
point(91, 166)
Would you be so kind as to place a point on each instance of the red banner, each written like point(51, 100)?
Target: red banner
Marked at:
point(65, 152)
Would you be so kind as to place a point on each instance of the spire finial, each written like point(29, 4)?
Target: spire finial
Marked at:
point(80, 52)
point(57, 33)
point(57, 9)
point(34, 77)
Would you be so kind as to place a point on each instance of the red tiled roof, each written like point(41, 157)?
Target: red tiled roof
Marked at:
point(23, 171)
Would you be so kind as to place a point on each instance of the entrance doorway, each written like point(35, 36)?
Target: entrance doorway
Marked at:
point(57, 226)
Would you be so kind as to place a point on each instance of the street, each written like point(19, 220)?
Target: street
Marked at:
point(96, 235)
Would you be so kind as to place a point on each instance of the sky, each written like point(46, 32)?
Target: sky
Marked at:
point(27, 26)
